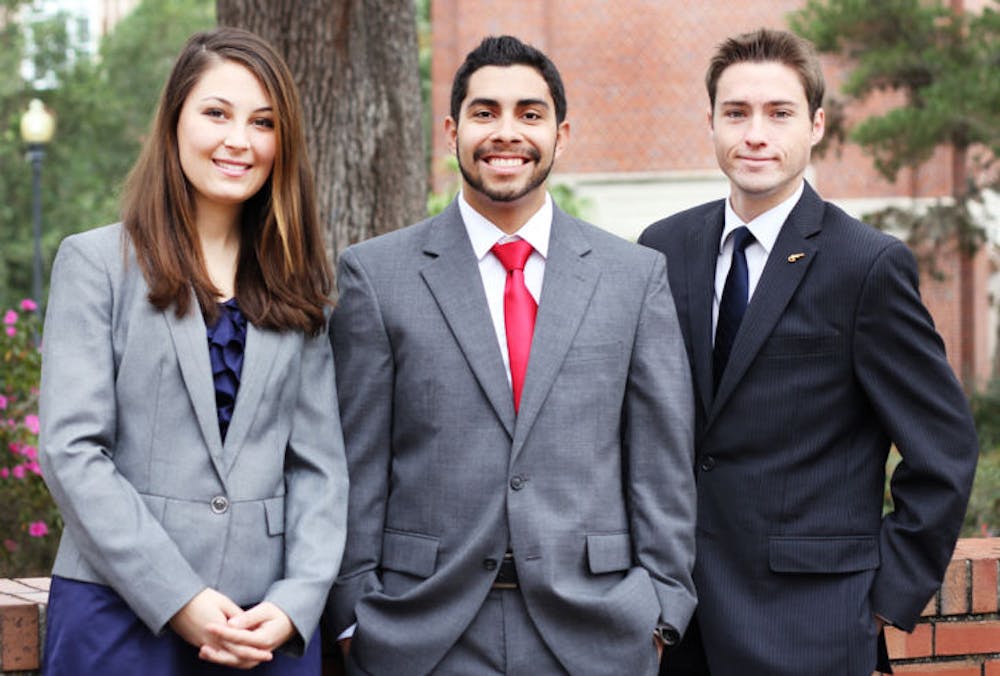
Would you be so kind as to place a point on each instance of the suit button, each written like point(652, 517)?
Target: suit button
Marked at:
point(707, 463)
point(517, 482)
point(490, 564)
point(219, 504)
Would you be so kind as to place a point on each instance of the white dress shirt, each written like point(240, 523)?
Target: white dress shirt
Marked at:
point(765, 229)
point(483, 234)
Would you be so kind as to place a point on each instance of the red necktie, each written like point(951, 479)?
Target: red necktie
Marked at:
point(518, 311)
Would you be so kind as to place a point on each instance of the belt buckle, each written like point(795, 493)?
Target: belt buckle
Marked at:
point(507, 573)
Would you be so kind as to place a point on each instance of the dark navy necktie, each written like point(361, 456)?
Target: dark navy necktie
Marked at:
point(733, 304)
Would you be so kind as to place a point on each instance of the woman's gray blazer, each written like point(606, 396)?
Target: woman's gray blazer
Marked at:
point(155, 505)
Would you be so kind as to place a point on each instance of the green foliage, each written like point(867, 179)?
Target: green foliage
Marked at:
point(983, 516)
point(944, 63)
point(103, 107)
point(29, 523)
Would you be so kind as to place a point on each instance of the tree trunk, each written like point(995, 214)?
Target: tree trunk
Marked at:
point(355, 62)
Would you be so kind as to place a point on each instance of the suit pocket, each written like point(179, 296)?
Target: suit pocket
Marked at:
point(274, 511)
point(801, 346)
point(609, 552)
point(409, 553)
point(835, 554)
point(593, 352)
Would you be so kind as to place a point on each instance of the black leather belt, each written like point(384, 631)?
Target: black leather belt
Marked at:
point(506, 573)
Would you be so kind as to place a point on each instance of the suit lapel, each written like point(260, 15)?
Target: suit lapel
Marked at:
point(785, 269)
point(702, 251)
point(191, 346)
point(452, 275)
point(258, 356)
point(567, 288)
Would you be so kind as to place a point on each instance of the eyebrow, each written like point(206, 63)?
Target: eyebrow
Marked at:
point(740, 102)
point(225, 101)
point(522, 103)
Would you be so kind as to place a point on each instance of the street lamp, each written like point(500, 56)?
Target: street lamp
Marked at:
point(37, 127)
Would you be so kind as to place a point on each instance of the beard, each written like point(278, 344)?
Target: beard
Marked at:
point(506, 194)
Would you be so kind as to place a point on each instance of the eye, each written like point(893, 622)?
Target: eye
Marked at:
point(214, 112)
point(782, 114)
point(482, 114)
point(263, 123)
point(532, 116)
point(733, 114)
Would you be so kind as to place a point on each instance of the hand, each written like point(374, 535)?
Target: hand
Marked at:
point(345, 645)
point(192, 623)
point(250, 637)
point(207, 606)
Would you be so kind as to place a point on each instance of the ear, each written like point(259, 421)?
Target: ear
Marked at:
point(451, 133)
point(562, 137)
point(818, 126)
point(710, 121)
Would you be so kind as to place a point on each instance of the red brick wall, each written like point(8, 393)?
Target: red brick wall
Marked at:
point(634, 73)
point(22, 606)
point(959, 634)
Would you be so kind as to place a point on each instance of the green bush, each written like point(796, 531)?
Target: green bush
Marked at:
point(983, 516)
point(986, 412)
point(30, 524)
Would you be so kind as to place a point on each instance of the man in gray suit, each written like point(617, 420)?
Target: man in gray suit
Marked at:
point(519, 434)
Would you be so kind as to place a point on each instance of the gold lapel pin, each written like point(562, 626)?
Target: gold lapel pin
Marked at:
point(795, 256)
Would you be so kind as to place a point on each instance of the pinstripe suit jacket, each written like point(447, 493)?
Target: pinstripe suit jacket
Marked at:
point(836, 359)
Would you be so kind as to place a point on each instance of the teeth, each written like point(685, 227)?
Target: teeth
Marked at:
point(506, 161)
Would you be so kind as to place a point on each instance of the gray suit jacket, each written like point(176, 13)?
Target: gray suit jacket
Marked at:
point(590, 484)
point(154, 504)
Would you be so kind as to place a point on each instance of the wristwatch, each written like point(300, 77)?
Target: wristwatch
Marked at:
point(667, 634)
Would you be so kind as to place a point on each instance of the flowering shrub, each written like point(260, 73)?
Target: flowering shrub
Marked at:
point(29, 520)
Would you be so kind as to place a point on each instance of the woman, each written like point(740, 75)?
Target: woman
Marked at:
point(189, 424)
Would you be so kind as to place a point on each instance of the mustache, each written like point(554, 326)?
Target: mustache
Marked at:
point(529, 152)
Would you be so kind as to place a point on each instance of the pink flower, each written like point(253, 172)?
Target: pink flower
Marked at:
point(34, 467)
point(29, 305)
point(3, 402)
point(30, 452)
point(18, 471)
point(38, 529)
point(31, 422)
point(4, 472)
point(10, 545)
point(10, 318)
point(11, 331)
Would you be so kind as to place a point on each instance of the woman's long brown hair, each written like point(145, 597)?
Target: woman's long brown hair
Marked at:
point(283, 277)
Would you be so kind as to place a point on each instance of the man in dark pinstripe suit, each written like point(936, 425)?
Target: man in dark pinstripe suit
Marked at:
point(824, 356)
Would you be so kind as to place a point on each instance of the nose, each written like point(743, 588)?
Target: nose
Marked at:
point(237, 138)
point(755, 131)
point(506, 130)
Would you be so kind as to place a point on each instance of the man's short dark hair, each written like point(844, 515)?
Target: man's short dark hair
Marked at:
point(764, 45)
point(507, 50)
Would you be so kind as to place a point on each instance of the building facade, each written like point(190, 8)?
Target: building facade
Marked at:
point(640, 146)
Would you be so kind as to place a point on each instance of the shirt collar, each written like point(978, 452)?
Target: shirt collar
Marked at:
point(764, 228)
point(484, 234)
